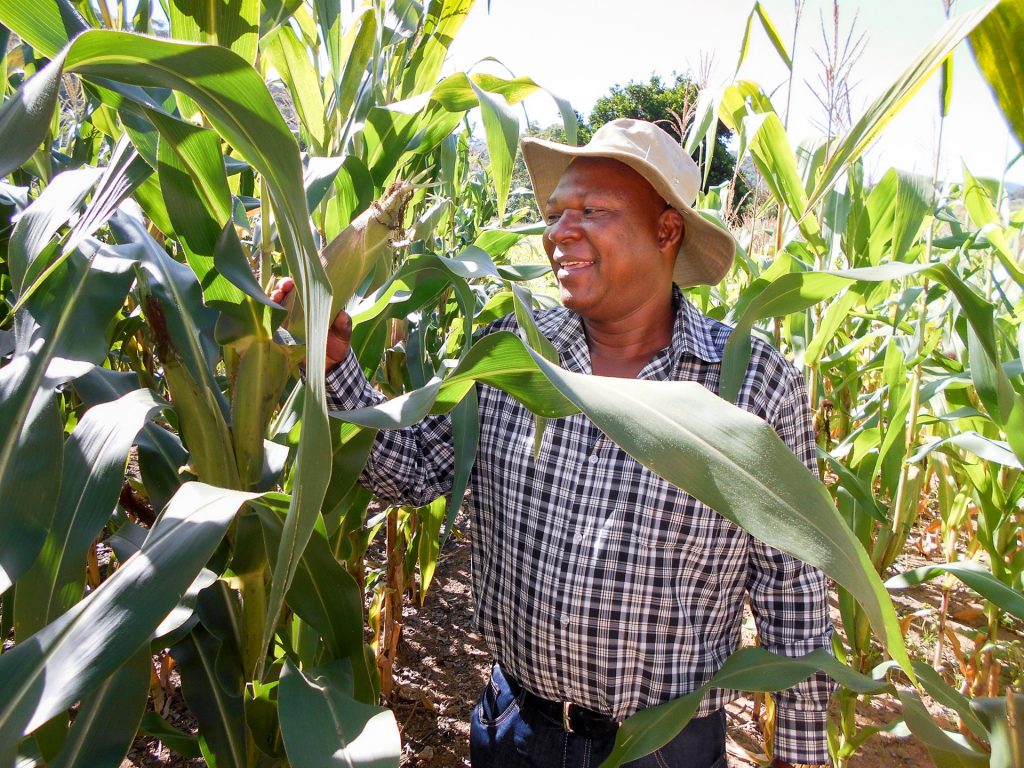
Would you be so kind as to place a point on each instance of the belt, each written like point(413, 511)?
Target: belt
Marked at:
point(574, 718)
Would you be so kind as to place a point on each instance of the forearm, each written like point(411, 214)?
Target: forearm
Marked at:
point(413, 465)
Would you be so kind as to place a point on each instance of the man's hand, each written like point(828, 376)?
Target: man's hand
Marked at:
point(339, 335)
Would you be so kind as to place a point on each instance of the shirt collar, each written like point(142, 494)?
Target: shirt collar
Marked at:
point(691, 333)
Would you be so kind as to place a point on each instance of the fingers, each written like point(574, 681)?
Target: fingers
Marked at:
point(339, 339)
point(281, 289)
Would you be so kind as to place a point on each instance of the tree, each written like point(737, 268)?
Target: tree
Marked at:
point(671, 107)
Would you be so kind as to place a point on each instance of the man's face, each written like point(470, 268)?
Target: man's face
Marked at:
point(606, 239)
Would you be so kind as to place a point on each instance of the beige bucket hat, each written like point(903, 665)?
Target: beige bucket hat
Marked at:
point(707, 250)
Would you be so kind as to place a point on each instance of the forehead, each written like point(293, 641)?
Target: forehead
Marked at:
point(601, 175)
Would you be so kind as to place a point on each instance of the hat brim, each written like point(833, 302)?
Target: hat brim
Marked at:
point(706, 252)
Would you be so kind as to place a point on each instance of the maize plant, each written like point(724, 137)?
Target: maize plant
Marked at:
point(154, 190)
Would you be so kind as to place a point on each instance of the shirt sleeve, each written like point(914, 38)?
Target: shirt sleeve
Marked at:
point(790, 604)
point(414, 465)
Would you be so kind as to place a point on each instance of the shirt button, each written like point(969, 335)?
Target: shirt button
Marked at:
point(593, 459)
point(577, 538)
point(564, 618)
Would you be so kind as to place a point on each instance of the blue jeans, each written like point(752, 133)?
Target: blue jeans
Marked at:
point(504, 735)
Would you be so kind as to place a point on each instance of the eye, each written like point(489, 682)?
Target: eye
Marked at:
point(553, 217)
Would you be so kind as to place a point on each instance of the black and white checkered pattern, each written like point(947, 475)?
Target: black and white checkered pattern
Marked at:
point(596, 581)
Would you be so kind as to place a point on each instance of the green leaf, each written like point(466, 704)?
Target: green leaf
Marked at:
point(1004, 718)
point(466, 437)
point(192, 177)
point(93, 471)
point(748, 669)
point(948, 696)
point(180, 743)
point(501, 129)
point(769, 146)
point(212, 681)
point(323, 593)
point(983, 213)
point(430, 517)
point(25, 117)
point(324, 727)
point(974, 575)
point(35, 451)
point(995, 451)
point(358, 47)
point(47, 28)
point(1001, 60)
point(108, 718)
point(233, 25)
point(72, 655)
point(795, 291)
point(67, 321)
point(773, 35)
point(947, 750)
point(34, 232)
point(291, 60)
point(723, 456)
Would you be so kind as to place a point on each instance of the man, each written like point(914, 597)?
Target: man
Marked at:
point(600, 588)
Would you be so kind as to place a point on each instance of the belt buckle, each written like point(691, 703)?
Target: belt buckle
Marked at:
point(567, 716)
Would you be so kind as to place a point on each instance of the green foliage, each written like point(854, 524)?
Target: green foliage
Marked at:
point(141, 231)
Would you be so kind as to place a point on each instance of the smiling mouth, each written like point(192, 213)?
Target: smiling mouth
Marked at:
point(572, 266)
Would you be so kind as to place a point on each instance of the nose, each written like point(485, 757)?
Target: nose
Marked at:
point(561, 228)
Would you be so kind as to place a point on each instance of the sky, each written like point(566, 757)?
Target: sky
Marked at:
point(578, 49)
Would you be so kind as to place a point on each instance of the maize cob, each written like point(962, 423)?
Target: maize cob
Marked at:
point(360, 248)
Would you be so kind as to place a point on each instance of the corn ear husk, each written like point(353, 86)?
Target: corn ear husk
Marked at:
point(362, 247)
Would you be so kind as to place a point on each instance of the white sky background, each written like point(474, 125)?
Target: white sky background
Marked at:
point(579, 49)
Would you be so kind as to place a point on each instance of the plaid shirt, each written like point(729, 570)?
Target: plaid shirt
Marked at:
point(596, 581)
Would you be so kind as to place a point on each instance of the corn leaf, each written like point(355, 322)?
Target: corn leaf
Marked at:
point(73, 654)
point(1001, 61)
point(68, 321)
point(971, 573)
point(108, 718)
point(233, 25)
point(91, 478)
point(212, 682)
point(25, 117)
point(323, 726)
point(690, 437)
point(749, 669)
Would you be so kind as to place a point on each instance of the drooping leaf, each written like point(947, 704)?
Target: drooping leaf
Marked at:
point(25, 117)
point(1001, 61)
point(324, 727)
point(971, 573)
point(108, 719)
point(93, 471)
point(60, 333)
point(213, 683)
point(714, 451)
point(70, 656)
point(749, 669)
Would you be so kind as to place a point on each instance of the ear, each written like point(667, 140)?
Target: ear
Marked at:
point(671, 230)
